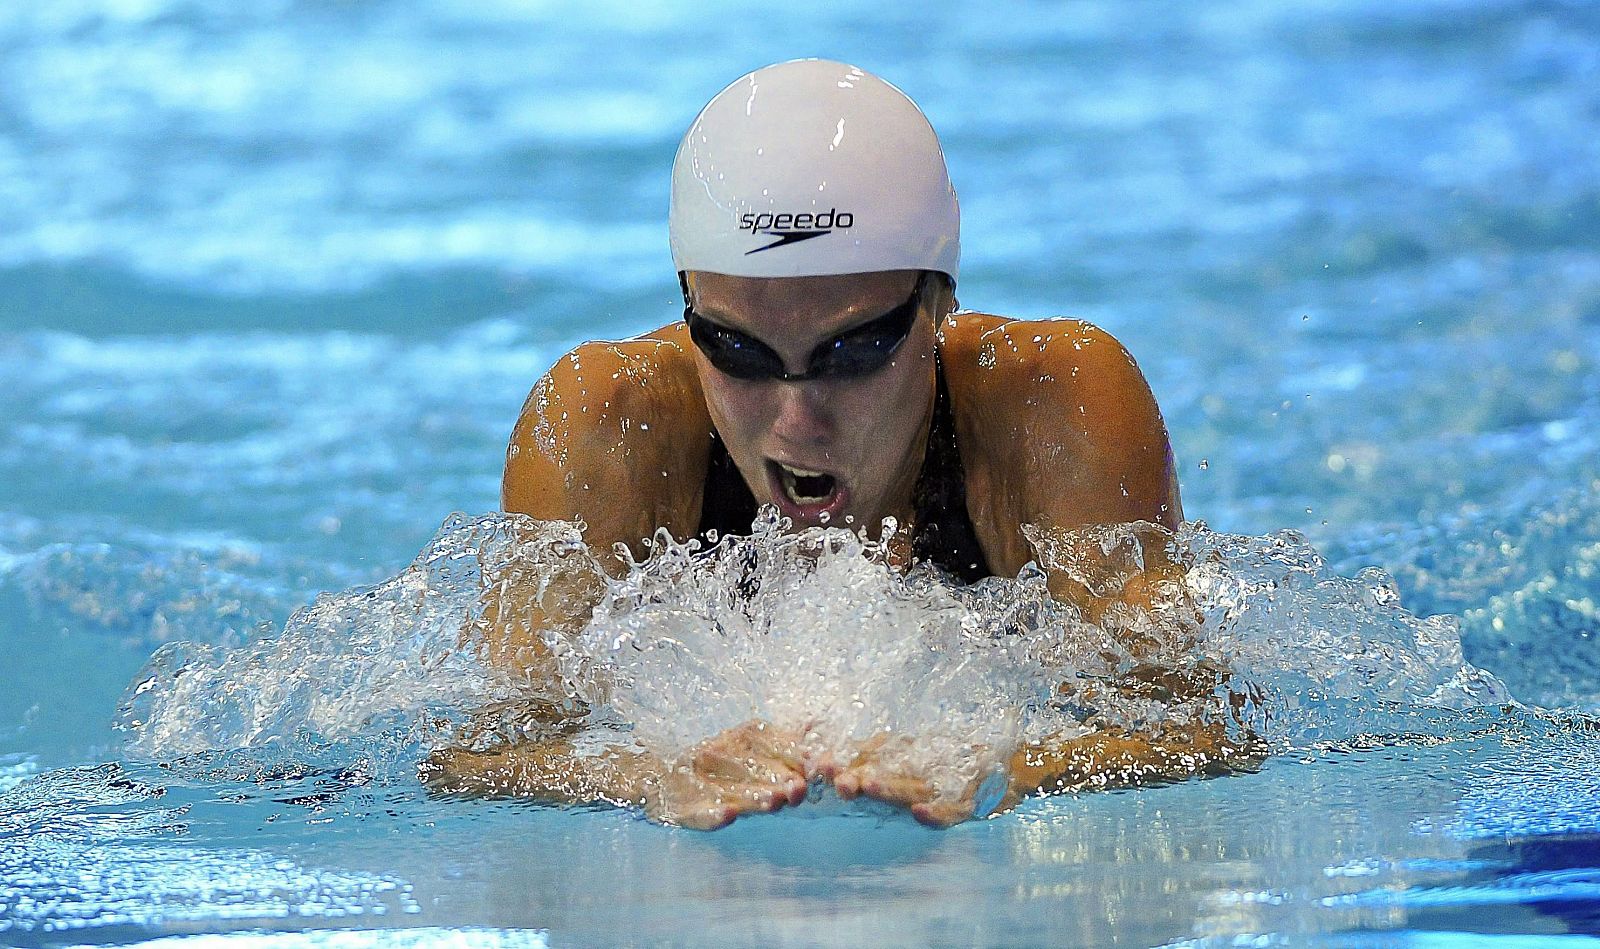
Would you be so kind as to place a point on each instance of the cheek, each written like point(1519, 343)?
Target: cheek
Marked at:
point(886, 410)
point(737, 409)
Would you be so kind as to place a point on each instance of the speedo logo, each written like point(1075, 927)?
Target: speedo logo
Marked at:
point(794, 228)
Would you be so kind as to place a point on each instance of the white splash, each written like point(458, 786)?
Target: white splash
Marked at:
point(401, 653)
point(816, 629)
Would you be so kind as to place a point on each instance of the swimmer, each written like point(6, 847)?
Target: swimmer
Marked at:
point(822, 366)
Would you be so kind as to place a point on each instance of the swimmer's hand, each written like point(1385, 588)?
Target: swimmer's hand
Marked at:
point(754, 768)
point(881, 769)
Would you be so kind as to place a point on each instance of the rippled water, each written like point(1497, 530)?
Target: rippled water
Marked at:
point(275, 279)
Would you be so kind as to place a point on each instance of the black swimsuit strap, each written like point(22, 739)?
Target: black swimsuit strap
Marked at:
point(726, 506)
point(943, 531)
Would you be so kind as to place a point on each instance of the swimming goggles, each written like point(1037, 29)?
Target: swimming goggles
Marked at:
point(856, 352)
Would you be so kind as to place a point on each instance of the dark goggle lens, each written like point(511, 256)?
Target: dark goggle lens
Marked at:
point(861, 351)
point(732, 352)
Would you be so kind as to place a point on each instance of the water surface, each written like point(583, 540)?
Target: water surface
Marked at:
point(275, 280)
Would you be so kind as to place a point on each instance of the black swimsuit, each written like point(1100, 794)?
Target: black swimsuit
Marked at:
point(942, 533)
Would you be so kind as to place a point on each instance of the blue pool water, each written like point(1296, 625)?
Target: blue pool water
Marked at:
point(276, 277)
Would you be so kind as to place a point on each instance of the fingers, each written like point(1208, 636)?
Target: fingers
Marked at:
point(705, 817)
point(916, 794)
point(753, 751)
point(719, 762)
point(876, 774)
point(901, 790)
point(941, 814)
point(754, 768)
point(886, 772)
point(757, 768)
point(688, 800)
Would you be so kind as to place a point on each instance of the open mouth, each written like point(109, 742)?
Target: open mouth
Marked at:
point(809, 494)
point(805, 487)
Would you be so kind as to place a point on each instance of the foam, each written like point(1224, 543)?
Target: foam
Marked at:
point(814, 629)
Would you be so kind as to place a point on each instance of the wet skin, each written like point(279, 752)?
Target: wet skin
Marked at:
point(1056, 427)
point(1055, 423)
point(865, 432)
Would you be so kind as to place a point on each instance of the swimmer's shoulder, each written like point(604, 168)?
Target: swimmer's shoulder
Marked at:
point(1063, 406)
point(1025, 368)
point(997, 352)
point(616, 434)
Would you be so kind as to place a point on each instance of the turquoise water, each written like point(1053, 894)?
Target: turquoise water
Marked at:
point(275, 279)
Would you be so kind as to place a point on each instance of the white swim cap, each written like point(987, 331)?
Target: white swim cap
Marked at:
point(812, 167)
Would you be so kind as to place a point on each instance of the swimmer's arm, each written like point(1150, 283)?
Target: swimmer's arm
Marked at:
point(1097, 449)
point(1101, 760)
point(546, 770)
point(753, 768)
point(1114, 465)
point(615, 435)
point(1202, 735)
point(1195, 742)
point(1090, 433)
point(1060, 432)
point(607, 438)
point(1113, 759)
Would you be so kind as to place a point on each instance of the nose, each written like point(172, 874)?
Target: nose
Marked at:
point(804, 416)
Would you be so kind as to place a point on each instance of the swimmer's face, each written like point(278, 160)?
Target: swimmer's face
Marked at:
point(830, 448)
